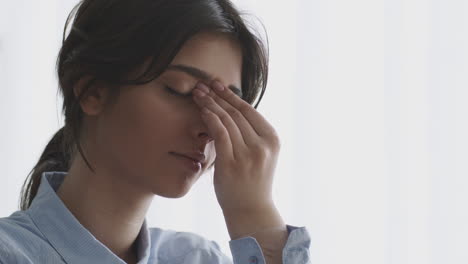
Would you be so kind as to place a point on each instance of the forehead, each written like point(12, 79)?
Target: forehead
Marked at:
point(217, 54)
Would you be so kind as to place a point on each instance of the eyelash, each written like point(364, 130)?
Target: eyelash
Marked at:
point(173, 92)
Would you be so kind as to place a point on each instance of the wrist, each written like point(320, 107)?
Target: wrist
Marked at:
point(253, 222)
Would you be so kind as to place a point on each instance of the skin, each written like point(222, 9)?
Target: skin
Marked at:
point(129, 150)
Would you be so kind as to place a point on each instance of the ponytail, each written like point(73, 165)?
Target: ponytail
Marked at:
point(54, 158)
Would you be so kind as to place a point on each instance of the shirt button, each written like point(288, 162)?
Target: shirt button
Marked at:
point(253, 260)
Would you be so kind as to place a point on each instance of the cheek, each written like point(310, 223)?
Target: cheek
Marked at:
point(153, 124)
point(134, 128)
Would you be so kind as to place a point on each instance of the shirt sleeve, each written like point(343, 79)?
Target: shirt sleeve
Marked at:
point(295, 251)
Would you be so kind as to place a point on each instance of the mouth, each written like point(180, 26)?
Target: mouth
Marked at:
point(192, 164)
point(199, 158)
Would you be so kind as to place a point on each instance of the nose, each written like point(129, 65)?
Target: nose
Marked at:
point(200, 128)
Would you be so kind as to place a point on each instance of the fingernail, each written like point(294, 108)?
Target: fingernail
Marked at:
point(199, 92)
point(218, 86)
point(203, 87)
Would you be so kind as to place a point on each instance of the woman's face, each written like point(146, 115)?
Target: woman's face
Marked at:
point(134, 138)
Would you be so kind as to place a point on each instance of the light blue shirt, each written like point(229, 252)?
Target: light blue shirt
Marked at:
point(49, 233)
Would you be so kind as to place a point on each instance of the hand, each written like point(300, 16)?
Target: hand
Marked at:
point(247, 149)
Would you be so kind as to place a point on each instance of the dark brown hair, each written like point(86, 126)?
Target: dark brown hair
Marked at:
point(109, 39)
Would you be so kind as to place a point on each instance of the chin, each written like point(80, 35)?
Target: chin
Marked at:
point(179, 193)
point(173, 196)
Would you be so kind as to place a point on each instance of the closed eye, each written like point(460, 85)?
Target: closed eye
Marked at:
point(173, 92)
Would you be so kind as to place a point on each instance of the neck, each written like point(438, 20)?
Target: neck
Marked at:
point(111, 209)
point(131, 257)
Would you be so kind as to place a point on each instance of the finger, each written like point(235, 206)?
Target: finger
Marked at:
point(235, 135)
point(223, 145)
point(249, 135)
point(261, 126)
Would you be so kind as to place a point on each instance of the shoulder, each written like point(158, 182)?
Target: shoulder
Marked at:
point(20, 240)
point(18, 228)
point(185, 247)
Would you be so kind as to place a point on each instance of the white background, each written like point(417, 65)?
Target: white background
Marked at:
point(369, 99)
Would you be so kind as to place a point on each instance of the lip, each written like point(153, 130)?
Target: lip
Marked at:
point(195, 156)
point(193, 165)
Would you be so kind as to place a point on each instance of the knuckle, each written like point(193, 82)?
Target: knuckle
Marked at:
point(234, 112)
point(276, 143)
point(259, 150)
point(224, 117)
point(274, 138)
point(244, 107)
point(210, 103)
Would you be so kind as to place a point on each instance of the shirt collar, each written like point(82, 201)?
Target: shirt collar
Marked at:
point(69, 238)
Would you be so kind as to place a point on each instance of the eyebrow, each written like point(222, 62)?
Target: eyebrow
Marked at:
point(200, 74)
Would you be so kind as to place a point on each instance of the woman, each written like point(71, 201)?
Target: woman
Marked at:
point(151, 89)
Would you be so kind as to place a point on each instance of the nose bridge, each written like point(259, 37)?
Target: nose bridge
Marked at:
point(199, 128)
